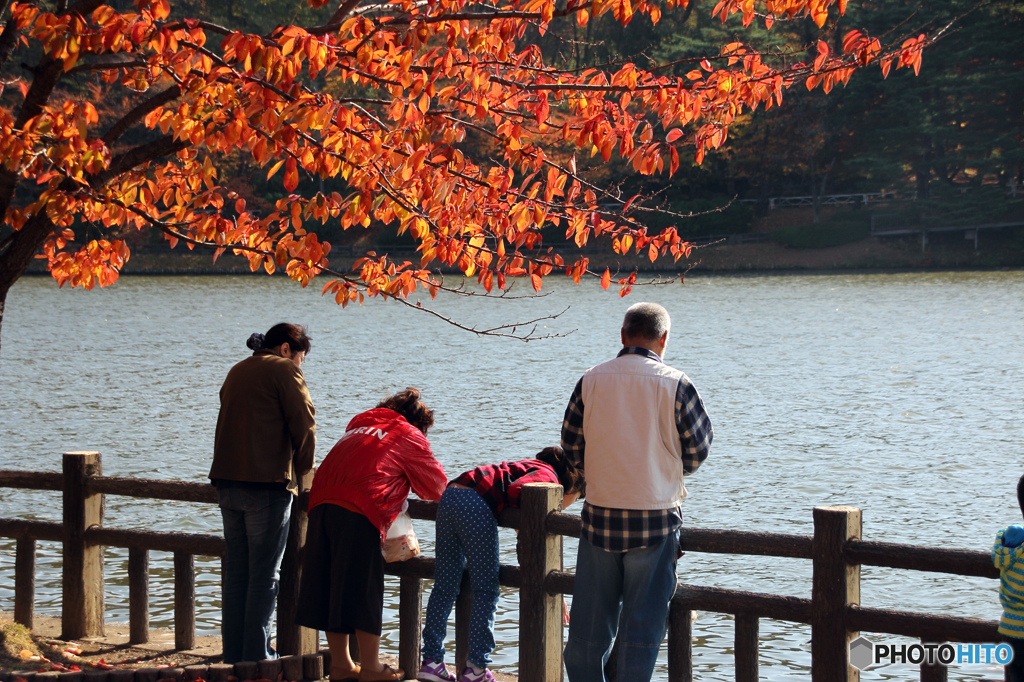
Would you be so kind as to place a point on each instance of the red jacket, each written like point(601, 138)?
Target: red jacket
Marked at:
point(374, 465)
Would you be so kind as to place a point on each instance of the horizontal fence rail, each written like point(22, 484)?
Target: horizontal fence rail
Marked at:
point(833, 611)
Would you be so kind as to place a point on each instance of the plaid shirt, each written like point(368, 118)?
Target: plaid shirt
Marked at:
point(501, 485)
point(620, 530)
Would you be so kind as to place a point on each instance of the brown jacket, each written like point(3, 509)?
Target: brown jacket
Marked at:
point(266, 430)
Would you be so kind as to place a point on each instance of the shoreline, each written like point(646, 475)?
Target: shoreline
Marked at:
point(869, 256)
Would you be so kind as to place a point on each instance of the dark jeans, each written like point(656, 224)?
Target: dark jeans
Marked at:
point(1015, 671)
point(255, 533)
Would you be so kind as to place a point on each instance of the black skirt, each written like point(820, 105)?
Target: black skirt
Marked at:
point(342, 587)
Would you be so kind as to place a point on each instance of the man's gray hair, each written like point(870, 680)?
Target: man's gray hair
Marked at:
point(647, 321)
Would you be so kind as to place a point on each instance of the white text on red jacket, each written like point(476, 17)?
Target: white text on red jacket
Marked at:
point(368, 430)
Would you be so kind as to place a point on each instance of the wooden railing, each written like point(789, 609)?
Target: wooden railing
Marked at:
point(833, 611)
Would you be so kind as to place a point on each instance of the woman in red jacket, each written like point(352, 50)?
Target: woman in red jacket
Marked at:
point(357, 493)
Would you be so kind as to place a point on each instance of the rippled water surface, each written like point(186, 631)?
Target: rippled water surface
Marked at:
point(901, 394)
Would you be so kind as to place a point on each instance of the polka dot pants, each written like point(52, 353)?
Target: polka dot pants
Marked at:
point(466, 536)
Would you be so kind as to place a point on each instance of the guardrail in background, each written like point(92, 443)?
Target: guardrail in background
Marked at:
point(833, 611)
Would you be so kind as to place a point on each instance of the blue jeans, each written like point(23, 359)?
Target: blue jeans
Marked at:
point(639, 584)
point(255, 533)
point(466, 535)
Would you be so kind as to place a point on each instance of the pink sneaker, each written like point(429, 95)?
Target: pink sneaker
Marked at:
point(470, 675)
point(434, 672)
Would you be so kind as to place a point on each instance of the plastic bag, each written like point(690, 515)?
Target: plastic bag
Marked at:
point(401, 543)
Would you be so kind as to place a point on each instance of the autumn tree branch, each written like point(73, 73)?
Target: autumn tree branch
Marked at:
point(507, 331)
point(137, 156)
point(138, 113)
point(8, 40)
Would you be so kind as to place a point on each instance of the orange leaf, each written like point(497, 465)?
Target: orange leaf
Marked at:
point(535, 280)
point(291, 175)
point(822, 55)
point(606, 279)
point(673, 135)
point(276, 167)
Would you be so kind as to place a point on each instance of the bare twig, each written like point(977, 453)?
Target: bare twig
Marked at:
point(500, 330)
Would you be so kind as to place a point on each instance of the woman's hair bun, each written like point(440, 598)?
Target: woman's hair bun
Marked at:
point(255, 341)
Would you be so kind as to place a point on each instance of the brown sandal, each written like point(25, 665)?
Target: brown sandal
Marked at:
point(353, 676)
point(387, 674)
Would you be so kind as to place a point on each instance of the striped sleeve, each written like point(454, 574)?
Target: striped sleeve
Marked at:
point(1001, 558)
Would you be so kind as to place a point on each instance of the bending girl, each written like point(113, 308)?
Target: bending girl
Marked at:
point(467, 535)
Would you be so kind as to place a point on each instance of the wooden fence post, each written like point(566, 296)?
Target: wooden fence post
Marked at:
point(746, 647)
point(680, 641)
point(410, 627)
point(835, 586)
point(82, 605)
point(293, 639)
point(138, 596)
point(184, 601)
point(934, 673)
point(540, 613)
point(25, 581)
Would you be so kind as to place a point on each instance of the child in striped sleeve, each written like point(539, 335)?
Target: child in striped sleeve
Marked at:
point(1008, 557)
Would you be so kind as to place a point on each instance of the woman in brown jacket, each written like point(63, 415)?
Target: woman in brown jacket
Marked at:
point(266, 433)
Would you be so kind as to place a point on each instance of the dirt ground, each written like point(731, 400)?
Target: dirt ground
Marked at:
point(48, 651)
point(97, 653)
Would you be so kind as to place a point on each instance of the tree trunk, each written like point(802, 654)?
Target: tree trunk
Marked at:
point(20, 252)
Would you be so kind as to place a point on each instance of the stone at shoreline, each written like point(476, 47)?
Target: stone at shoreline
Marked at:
point(195, 672)
point(147, 675)
point(246, 670)
point(291, 666)
point(270, 669)
point(219, 672)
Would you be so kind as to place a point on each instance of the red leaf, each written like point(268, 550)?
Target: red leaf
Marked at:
point(673, 135)
point(629, 203)
point(822, 55)
point(291, 175)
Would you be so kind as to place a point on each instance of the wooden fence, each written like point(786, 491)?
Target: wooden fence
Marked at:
point(833, 610)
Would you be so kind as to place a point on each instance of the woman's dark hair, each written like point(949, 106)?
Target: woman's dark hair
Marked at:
point(408, 404)
point(569, 476)
point(294, 335)
point(1020, 494)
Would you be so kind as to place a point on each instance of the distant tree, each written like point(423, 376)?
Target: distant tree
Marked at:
point(115, 118)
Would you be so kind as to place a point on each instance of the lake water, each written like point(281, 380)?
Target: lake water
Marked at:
point(901, 394)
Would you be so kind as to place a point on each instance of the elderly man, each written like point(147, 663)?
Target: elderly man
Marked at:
point(636, 426)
